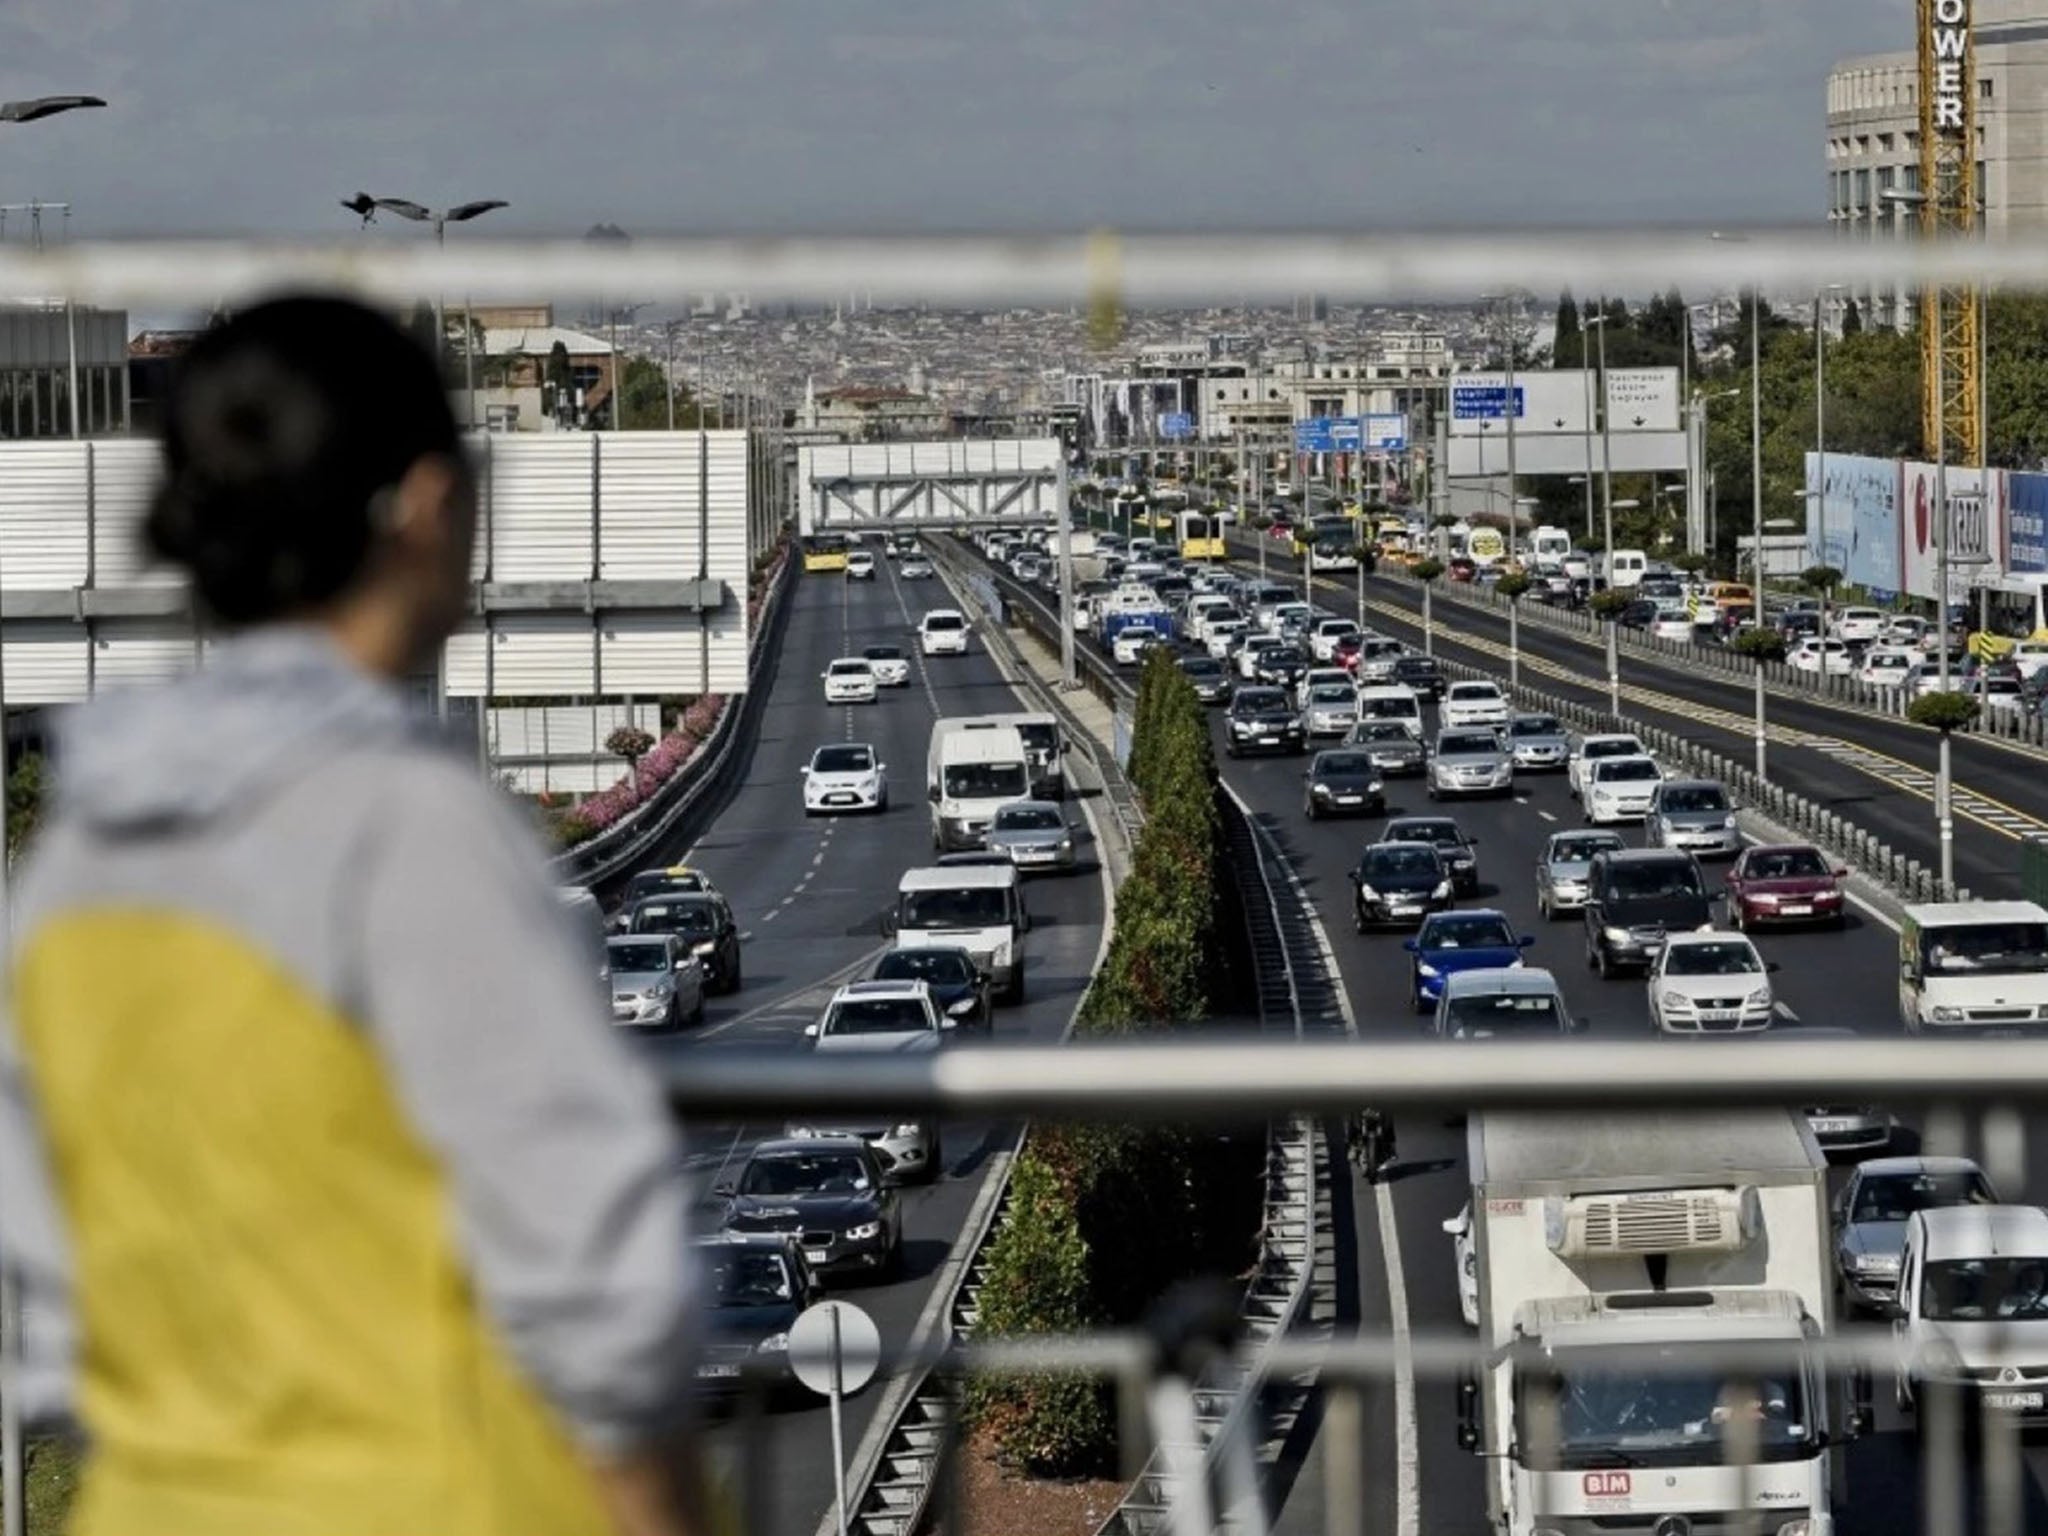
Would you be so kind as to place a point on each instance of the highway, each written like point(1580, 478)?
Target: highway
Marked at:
point(1404, 1274)
point(809, 896)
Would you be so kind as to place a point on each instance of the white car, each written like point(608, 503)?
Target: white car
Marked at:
point(1822, 657)
point(1710, 983)
point(1323, 638)
point(1320, 677)
point(1907, 630)
point(1131, 643)
point(1466, 1259)
point(1620, 789)
point(1886, 669)
point(1859, 624)
point(860, 565)
point(1222, 635)
point(847, 777)
point(1671, 623)
point(915, 568)
point(1971, 1310)
point(892, 667)
point(1594, 749)
point(1998, 693)
point(850, 680)
point(2030, 656)
point(943, 632)
point(1474, 704)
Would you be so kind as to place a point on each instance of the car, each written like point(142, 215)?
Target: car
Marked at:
point(1470, 762)
point(1693, 814)
point(1261, 720)
point(754, 1285)
point(1711, 982)
point(1342, 782)
point(1325, 676)
point(674, 880)
point(1993, 692)
point(943, 632)
point(1130, 644)
point(1501, 1003)
point(656, 982)
point(1329, 709)
point(970, 858)
point(1465, 1259)
point(1593, 749)
point(1393, 748)
point(1421, 674)
point(1859, 625)
point(1672, 621)
point(1034, 833)
point(915, 568)
point(1281, 665)
point(1562, 868)
point(1224, 638)
point(1375, 659)
point(1398, 884)
point(860, 565)
point(1538, 743)
point(1882, 668)
point(1475, 703)
point(959, 990)
point(1324, 634)
point(2029, 657)
point(845, 777)
point(1640, 614)
point(1620, 789)
point(1461, 568)
point(1635, 898)
point(1208, 677)
point(850, 680)
point(882, 1018)
point(704, 924)
point(1821, 658)
point(1471, 939)
point(829, 1192)
point(1871, 1211)
point(1793, 627)
point(1785, 883)
point(1448, 838)
point(1972, 1311)
point(891, 666)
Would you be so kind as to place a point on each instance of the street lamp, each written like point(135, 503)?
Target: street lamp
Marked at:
point(366, 206)
point(33, 109)
point(1606, 445)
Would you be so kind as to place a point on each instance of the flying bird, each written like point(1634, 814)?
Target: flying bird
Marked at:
point(363, 205)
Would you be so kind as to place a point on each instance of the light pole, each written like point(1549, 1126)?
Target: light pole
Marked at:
point(1706, 402)
point(1606, 452)
point(365, 205)
point(33, 109)
point(1820, 433)
point(1508, 406)
point(1626, 504)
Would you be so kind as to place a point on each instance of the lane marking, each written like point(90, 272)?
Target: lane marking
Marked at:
point(1545, 815)
point(1784, 1011)
point(788, 1001)
point(1407, 1457)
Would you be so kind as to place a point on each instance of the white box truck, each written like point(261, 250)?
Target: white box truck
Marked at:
point(1618, 1258)
point(973, 768)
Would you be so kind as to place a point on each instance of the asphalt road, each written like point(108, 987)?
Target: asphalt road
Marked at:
point(809, 896)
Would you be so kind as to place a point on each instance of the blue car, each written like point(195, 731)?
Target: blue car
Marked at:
point(1469, 940)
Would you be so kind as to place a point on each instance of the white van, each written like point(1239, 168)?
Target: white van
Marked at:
point(973, 768)
point(1625, 567)
point(1549, 544)
point(1045, 747)
point(1392, 701)
point(1974, 967)
point(975, 907)
point(943, 632)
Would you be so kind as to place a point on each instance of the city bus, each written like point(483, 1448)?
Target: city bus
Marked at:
point(824, 551)
point(1201, 536)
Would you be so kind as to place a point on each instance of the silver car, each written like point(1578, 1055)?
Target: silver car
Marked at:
point(1034, 833)
point(656, 982)
point(1871, 1212)
point(1539, 743)
point(1470, 760)
point(1695, 815)
point(1562, 868)
point(1388, 743)
point(1331, 709)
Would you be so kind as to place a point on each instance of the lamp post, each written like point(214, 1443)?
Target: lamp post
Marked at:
point(1626, 504)
point(1606, 451)
point(1820, 433)
point(367, 206)
point(33, 109)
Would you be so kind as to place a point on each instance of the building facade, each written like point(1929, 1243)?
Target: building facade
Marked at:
point(42, 347)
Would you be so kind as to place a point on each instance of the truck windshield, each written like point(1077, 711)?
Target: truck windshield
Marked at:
point(1982, 1290)
point(972, 907)
point(1986, 949)
point(985, 781)
point(1654, 1405)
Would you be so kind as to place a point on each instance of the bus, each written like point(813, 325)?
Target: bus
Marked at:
point(824, 551)
point(1201, 536)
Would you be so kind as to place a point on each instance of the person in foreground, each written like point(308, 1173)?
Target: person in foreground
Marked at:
point(337, 1209)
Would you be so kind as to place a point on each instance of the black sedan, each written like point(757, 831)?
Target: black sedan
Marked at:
point(1398, 884)
point(1449, 840)
point(1393, 751)
point(1261, 720)
point(704, 925)
point(1422, 674)
point(758, 1285)
point(1209, 677)
point(959, 990)
point(829, 1194)
point(1343, 782)
point(1281, 667)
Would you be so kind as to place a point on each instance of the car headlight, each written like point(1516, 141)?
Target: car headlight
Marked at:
point(774, 1344)
point(703, 946)
point(962, 1008)
point(1676, 1000)
point(1728, 824)
point(1367, 893)
point(1442, 891)
point(1066, 845)
point(1614, 935)
point(1760, 998)
point(907, 1128)
point(1946, 1015)
point(863, 1232)
point(1764, 898)
point(1427, 971)
point(1875, 1263)
point(661, 991)
point(1319, 790)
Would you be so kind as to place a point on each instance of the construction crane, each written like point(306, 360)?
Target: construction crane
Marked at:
point(1951, 417)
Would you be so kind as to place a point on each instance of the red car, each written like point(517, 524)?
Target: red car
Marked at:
point(1345, 652)
point(1280, 528)
point(1789, 883)
point(1462, 568)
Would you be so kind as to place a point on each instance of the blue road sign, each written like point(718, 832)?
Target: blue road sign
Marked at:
point(1177, 425)
point(1314, 435)
point(1484, 402)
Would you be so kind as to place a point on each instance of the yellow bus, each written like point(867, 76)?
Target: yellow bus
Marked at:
point(824, 551)
point(1201, 536)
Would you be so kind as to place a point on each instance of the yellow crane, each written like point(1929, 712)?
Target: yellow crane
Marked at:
point(1950, 418)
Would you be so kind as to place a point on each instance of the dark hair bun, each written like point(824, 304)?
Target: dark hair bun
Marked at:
point(281, 427)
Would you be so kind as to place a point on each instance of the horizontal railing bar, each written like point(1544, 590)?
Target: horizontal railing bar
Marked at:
point(1253, 1079)
point(1141, 269)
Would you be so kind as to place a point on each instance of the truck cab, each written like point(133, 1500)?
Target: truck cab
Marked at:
point(1973, 968)
point(973, 768)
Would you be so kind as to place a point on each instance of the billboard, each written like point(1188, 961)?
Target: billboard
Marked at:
point(1976, 528)
point(1549, 401)
point(2026, 524)
point(1860, 521)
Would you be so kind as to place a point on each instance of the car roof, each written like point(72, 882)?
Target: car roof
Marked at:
point(1031, 805)
point(840, 746)
point(613, 940)
point(1946, 914)
point(1984, 1231)
point(1695, 936)
point(1459, 912)
point(1412, 823)
point(1686, 783)
point(960, 877)
point(785, 1146)
point(849, 661)
point(1629, 856)
point(1502, 980)
point(679, 899)
point(1911, 1165)
point(893, 986)
point(1613, 839)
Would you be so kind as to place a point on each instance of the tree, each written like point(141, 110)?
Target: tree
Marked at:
point(2016, 394)
point(1760, 644)
point(1514, 584)
point(1943, 712)
point(25, 786)
point(1426, 571)
point(1569, 333)
point(1820, 578)
point(1608, 603)
point(632, 743)
point(1852, 319)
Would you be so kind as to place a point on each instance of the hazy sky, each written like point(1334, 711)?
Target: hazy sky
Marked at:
point(707, 115)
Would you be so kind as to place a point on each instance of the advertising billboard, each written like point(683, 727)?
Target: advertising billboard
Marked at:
point(2026, 524)
point(1860, 523)
point(1976, 528)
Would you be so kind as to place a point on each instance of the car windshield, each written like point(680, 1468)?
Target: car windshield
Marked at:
point(1468, 930)
point(1376, 731)
point(1622, 746)
point(978, 906)
point(674, 917)
point(1593, 1406)
point(639, 957)
point(1660, 879)
point(1715, 957)
point(1694, 798)
point(843, 760)
point(652, 882)
point(1627, 771)
point(1504, 1013)
point(1537, 725)
point(985, 781)
point(850, 669)
point(883, 653)
point(1786, 864)
point(1443, 834)
point(1474, 693)
point(877, 1016)
point(1470, 741)
point(1979, 1290)
point(1389, 708)
point(1201, 666)
point(742, 1279)
point(2002, 949)
point(1895, 1196)
point(1344, 765)
point(1580, 847)
point(944, 621)
point(1394, 859)
point(1028, 818)
point(1331, 693)
point(940, 967)
point(1253, 700)
point(805, 1173)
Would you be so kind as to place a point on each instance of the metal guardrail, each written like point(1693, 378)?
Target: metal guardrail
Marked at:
point(693, 792)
